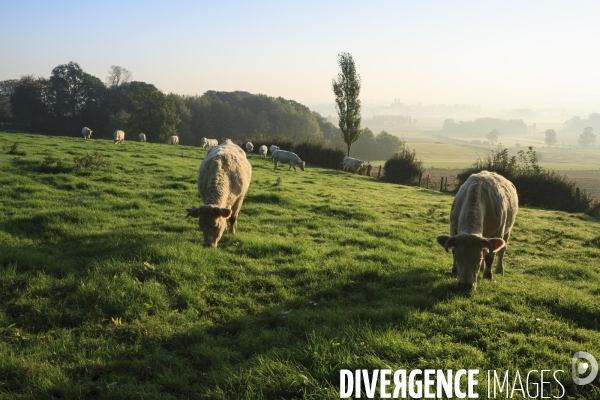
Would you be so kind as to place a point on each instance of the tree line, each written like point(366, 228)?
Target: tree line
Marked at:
point(482, 126)
point(71, 98)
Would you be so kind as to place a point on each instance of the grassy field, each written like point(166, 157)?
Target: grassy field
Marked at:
point(106, 291)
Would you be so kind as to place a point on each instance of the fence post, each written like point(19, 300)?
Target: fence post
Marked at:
point(379, 173)
point(369, 169)
point(427, 182)
point(442, 184)
point(420, 176)
point(446, 185)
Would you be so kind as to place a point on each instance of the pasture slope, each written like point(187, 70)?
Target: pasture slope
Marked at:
point(106, 292)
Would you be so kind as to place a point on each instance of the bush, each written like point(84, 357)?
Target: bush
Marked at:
point(403, 167)
point(313, 152)
point(535, 185)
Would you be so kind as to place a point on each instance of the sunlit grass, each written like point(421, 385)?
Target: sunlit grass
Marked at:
point(107, 292)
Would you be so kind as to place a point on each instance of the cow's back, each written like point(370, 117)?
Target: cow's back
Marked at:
point(485, 204)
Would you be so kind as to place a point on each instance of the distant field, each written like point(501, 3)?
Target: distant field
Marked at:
point(445, 155)
point(106, 291)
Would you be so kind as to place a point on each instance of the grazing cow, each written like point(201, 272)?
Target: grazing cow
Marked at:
point(223, 180)
point(249, 147)
point(208, 143)
point(353, 164)
point(142, 137)
point(289, 158)
point(119, 137)
point(86, 132)
point(273, 148)
point(173, 140)
point(262, 150)
point(482, 217)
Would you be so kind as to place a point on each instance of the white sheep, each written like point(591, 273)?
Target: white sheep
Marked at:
point(353, 164)
point(289, 158)
point(86, 132)
point(208, 143)
point(119, 137)
point(142, 137)
point(249, 147)
point(262, 150)
point(273, 148)
point(173, 140)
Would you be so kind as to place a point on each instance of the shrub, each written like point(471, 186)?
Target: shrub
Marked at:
point(535, 185)
point(14, 150)
point(403, 167)
point(313, 152)
point(95, 159)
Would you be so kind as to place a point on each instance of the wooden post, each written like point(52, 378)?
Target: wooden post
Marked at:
point(427, 182)
point(420, 176)
point(369, 169)
point(446, 185)
point(442, 184)
point(379, 173)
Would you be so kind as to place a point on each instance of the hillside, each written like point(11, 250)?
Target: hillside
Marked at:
point(106, 291)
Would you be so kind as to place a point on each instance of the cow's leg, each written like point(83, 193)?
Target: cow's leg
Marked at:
point(454, 268)
point(235, 210)
point(500, 265)
point(488, 261)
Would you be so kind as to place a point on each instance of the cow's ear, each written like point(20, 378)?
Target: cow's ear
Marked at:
point(441, 240)
point(497, 243)
point(193, 212)
point(223, 212)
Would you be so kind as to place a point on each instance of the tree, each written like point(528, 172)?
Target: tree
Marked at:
point(587, 138)
point(493, 136)
point(71, 91)
point(26, 101)
point(346, 89)
point(153, 113)
point(550, 137)
point(117, 76)
point(7, 88)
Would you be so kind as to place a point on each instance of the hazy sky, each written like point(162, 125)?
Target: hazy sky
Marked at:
point(492, 53)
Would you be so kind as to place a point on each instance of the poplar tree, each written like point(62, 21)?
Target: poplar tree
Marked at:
point(346, 87)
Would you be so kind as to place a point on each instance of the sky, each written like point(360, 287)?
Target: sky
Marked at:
point(511, 54)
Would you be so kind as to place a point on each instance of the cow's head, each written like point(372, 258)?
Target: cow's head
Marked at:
point(212, 222)
point(469, 252)
point(301, 164)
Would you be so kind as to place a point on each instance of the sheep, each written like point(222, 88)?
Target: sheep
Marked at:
point(262, 150)
point(86, 132)
point(119, 137)
point(481, 219)
point(273, 148)
point(353, 164)
point(142, 137)
point(208, 143)
point(249, 147)
point(223, 180)
point(288, 158)
point(173, 140)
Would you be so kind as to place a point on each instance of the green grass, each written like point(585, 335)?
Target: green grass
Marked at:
point(106, 291)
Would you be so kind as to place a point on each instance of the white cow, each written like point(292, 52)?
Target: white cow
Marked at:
point(208, 143)
point(173, 140)
point(223, 180)
point(353, 164)
point(119, 137)
point(289, 158)
point(262, 150)
point(86, 132)
point(273, 148)
point(142, 137)
point(249, 147)
point(482, 216)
